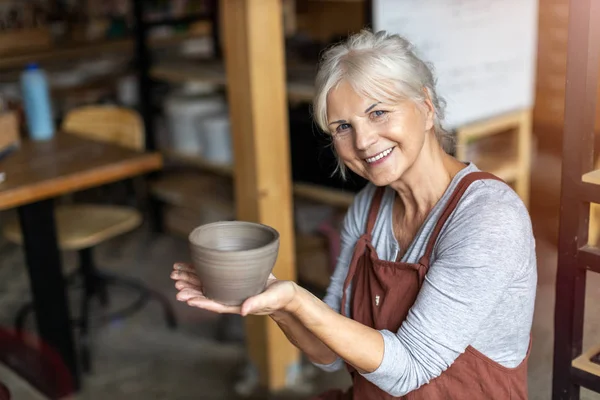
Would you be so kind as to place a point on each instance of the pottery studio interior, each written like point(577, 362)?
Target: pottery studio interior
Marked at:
point(194, 194)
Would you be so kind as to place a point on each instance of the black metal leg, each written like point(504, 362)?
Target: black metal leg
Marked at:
point(21, 317)
point(94, 286)
point(143, 60)
point(155, 214)
point(216, 29)
point(89, 289)
point(47, 284)
point(167, 309)
point(151, 205)
point(102, 292)
point(145, 294)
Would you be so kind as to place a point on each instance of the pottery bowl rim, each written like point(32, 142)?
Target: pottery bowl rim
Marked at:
point(211, 250)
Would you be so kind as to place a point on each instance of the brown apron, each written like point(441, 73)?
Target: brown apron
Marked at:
point(382, 294)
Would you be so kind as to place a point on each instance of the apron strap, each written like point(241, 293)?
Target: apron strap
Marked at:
point(359, 250)
point(374, 209)
point(362, 244)
point(461, 188)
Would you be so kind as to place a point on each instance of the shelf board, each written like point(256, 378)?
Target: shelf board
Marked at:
point(588, 257)
point(586, 371)
point(188, 190)
point(506, 169)
point(583, 361)
point(179, 20)
point(300, 91)
point(100, 82)
point(323, 194)
point(496, 154)
point(205, 72)
point(60, 52)
point(592, 177)
point(200, 162)
point(492, 126)
point(182, 71)
point(308, 191)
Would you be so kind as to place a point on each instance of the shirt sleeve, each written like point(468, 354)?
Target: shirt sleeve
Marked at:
point(477, 255)
point(352, 227)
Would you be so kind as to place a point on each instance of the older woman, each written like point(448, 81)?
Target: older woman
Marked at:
point(434, 290)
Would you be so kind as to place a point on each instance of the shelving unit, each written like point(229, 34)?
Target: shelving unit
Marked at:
point(580, 186)
point(502, 146)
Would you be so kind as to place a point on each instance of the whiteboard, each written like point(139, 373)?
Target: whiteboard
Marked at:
point(483, 51)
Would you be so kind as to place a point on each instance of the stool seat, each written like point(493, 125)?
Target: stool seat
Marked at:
point(83, 226)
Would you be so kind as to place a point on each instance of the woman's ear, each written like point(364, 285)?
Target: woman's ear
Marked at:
point(429, 110)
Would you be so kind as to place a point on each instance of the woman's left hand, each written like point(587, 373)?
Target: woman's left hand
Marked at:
point(277, 296)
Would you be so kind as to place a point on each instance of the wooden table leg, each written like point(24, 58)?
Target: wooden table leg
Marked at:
point(47, 283)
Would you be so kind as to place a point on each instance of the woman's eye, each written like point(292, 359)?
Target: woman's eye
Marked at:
point(378, 113)
point(342, 128)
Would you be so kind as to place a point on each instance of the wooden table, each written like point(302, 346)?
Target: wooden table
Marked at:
point(37, 173)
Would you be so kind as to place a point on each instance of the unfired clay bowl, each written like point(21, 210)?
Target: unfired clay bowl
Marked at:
point(233, 259)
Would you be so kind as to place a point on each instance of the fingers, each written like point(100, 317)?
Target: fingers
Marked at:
point(189, 293)
point(186, 276)
point(186, 285)
point(184, 267)
point(190, 290)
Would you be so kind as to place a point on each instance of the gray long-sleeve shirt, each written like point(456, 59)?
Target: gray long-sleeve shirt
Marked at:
point(479, 291)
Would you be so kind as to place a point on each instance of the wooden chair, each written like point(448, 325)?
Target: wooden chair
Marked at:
point(81, 227)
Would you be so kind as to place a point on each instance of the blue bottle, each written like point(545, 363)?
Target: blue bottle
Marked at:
point(36, 100)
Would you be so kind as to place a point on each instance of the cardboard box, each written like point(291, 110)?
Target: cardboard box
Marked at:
point(9, 132)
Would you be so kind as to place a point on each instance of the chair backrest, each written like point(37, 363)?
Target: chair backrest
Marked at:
point(117, 125)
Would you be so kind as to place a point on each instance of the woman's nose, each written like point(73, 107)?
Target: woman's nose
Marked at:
point(365, 137)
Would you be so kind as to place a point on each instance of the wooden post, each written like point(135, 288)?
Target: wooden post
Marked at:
point(254, 60)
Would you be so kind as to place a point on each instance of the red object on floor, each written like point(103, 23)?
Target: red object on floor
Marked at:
point(4, 392)
point(41, 366)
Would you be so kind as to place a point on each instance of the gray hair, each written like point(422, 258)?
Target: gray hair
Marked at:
point(381, 66)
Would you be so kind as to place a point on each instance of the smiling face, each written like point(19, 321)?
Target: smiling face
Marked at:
point(377, 141)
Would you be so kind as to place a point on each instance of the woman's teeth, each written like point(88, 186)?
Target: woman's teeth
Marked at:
point(379, 156)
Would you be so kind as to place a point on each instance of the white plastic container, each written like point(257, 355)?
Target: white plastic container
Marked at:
point(184, 119)
point(217, 139)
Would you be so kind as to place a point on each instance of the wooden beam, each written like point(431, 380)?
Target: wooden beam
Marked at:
point(254, 60)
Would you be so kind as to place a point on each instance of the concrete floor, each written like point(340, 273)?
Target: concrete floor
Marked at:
point(139, 358)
